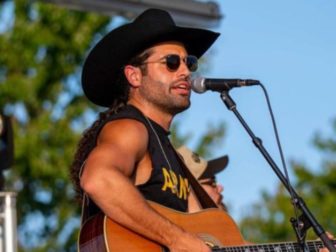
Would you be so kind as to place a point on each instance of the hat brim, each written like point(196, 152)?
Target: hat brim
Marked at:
point(215, 166)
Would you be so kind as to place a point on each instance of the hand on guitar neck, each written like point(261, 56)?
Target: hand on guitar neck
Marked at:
point(324, 249)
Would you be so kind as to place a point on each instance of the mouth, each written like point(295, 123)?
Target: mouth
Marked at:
point(183, 87)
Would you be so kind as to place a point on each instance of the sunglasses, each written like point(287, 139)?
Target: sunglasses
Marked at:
point(173, 62)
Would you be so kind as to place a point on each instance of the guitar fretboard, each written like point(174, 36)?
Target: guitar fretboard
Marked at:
point(273, 247)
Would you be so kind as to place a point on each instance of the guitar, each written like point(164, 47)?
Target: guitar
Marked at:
point(214, 226)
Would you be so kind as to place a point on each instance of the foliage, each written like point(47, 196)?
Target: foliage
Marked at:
point(42, 48)
point(269, 219)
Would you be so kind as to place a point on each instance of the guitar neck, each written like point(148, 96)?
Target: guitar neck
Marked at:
point(270, 247)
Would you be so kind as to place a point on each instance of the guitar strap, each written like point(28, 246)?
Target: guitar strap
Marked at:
point(202, 196)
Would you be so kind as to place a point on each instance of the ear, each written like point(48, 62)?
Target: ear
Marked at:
point(133, 75)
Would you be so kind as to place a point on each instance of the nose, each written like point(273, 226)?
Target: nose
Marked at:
point(220, 188)
point(183, 69)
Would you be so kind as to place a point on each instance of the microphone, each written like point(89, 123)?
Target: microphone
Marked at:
point(200, 84)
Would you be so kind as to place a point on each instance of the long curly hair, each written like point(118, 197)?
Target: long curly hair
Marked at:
point(89, 137)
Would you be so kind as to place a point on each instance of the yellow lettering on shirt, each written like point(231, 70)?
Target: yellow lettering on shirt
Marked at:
point(184, 188)
point(168, 183)
point(179, 187)
point(174, 181)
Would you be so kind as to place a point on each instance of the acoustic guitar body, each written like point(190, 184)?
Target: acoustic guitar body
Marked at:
point(214, 226)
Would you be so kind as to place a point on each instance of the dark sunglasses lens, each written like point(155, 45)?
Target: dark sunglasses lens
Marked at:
point(173, 62)
point(192, 63)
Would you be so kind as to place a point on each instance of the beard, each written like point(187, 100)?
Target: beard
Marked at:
point(175, 108)
point(161, 95)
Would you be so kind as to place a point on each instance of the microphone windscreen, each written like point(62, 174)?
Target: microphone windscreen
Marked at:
point(198, 85)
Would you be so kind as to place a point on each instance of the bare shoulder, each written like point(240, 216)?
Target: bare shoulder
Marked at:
point(120, 145)
point(124, 132)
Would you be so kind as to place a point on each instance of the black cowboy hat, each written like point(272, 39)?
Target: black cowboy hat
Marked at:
point(107, 58)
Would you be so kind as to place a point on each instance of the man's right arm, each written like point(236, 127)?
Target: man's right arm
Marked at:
point(106, 179)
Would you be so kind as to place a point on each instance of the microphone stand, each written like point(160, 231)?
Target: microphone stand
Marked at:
point(306, 219)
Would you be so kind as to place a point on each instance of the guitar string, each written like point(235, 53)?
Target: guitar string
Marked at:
point(286, 246)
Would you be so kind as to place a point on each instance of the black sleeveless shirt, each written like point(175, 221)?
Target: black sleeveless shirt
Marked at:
point(167, 185)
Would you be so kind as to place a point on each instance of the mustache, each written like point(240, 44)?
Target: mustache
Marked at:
point(183, 79)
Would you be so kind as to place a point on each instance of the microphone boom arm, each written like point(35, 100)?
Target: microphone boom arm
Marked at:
point(298, 201)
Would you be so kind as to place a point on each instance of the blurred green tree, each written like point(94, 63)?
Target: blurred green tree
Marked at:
point(268, 220)
point(42, 47)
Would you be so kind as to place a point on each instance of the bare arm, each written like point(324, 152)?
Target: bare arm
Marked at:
point(106, 179)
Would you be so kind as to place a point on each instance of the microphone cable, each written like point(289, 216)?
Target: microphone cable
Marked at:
point(291, 191)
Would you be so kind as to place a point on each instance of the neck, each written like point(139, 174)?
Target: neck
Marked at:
point(154, 113)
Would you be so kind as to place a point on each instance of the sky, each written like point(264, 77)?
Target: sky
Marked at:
point(290, 47)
